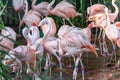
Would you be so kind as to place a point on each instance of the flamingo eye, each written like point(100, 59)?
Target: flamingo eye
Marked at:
point(30, 32)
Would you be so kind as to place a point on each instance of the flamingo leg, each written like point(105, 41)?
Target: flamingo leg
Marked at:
point(100, 44)
point(63, 21)
point(117, 64)
point(114, 51)
point(95, 37)
point(47, 64)
point(60, 65)
point(19, 27)
point(114, 54)
point(105, 48)
point(70, 22)
point(20, 70)
point(76, 68)
point(82, 67)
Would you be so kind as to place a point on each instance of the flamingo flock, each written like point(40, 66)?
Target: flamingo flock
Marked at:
point(71, 41)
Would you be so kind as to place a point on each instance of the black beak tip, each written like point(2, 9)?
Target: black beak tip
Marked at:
point(57, 53)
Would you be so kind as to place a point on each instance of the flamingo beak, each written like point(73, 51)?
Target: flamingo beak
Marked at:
point(35, 23)
point(91, 18)
point(33, 51)
point(57, 53)
point(21, 23)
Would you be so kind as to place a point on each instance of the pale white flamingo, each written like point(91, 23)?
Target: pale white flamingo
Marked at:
point(64, 10)
point(30, 18)
point(41, 7)
point(7, 39)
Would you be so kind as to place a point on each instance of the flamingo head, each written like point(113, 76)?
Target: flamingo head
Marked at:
point(96, 17)
point(92, 18)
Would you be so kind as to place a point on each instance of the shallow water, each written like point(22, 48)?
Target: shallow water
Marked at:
point(95, 68)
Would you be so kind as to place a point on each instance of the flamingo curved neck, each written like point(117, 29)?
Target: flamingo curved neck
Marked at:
point(28, 39)
point(33, 3)
point(50, 5)
point(47, 33)
point(35, 34)
point(26, 7)
point(26, 35)
point(115, 6)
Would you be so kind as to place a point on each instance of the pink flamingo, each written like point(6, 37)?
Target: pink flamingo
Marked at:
point(73, 43)
point(112, 16)
point(64, 10)
point(41, 8)
point(111, 30)
point(27, 53)
point(30, 18)
point(96, 9)
point(51, 46)
point(117, 24)
point(8, 36)
point(18, 6)
point(31, 35)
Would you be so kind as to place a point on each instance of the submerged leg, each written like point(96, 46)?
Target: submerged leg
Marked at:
point(113, 54)
point(82, 67)
point(60, 64)
point(100, 44)
point(117, 65)
point(114, 51)
point(76, 68)
point(105, 48)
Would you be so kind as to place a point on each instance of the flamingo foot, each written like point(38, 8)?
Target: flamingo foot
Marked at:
point(115, 67)
point(109, 64)
point(106, 54)
point(69, 66)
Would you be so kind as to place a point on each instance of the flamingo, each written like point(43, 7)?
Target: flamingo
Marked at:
point(26, 54)
point(111, 30)
point(96, 9)
point(18, 6)
point(30, 18)
point(7, 37)
point(99, 17)
point(31, 34)
point(41, 7)
point(74, 43)
point(64, 10)
point(112, 16)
